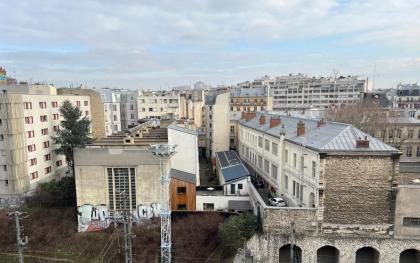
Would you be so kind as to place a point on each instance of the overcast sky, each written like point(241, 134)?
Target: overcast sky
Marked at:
point(159, 43)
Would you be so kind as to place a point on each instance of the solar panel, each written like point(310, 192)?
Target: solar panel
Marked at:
point(222, 159)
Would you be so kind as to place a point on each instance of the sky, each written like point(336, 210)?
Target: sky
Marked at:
point(157, 44)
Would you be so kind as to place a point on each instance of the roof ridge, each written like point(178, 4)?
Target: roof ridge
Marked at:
point(335, 137)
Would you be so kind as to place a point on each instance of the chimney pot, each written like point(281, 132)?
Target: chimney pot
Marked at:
point(300, 128)
point(274, 121)
point(360, 143)
point(262, 119)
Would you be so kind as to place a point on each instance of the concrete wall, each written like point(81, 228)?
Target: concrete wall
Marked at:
point(186, 157)
point(220, 201)
point(407, 205)
point(220, 124)
point(357, 189)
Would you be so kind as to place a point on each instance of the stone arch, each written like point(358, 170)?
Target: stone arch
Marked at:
point(410, 256)
point(367, 255)
point(328, 254)
point(284, 254)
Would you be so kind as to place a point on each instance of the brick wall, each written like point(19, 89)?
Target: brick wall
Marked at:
point(357, 189)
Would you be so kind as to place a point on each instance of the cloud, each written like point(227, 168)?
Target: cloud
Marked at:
point(133, 43)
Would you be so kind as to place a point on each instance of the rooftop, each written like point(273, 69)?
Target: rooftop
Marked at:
point(231, 167)
point(329, 137)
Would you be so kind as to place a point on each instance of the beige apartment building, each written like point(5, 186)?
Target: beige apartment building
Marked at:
point(155, 104)
point(29, 117)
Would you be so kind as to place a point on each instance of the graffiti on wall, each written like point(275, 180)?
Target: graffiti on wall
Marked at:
point(93, 218)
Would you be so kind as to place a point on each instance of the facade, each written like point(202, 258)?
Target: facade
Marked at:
point(27, 124)
point(182, 190)
point(129, 111)
point(111, 99)
point(407, 96)
point(156, 104)
point(191, 106)
point(248, 99)
point(96, 106)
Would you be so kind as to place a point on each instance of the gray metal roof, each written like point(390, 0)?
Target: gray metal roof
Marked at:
point(238, 205)
point(182, 176)
point(329, 137)
point(231, 166)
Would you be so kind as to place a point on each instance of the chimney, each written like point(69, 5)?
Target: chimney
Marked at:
point(262, 119)
point(250, 115)
point(300, 128)
point(274, 121)
point(362, 143)
point(320, 123)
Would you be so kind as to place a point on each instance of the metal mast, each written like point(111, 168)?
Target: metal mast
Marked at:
point(21, 241)
point(164, 152)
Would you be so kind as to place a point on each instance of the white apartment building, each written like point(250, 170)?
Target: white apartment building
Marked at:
point(29, 117)
point(298, 92)
point(111, 99)
point(289, 154)
point(155, 104)
point(129, 112)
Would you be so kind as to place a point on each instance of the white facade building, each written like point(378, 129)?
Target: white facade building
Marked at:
point(27, 124)
point(155, 104)
point(111, 99)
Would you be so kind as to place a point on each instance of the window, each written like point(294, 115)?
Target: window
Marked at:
point(32, 161)
point(44, 131)
point(181, 207)
point(267, 145)
point(294, 160)
point(47, 157)
point(59, 163)
point(34, 175)
point(240, 186)
point(286, 156)
point(121, 180)
point(132, 116)
point(399, 133)
point(27, 105)
point(266, 167)
point(131, 107)
point(181, 190)
point(286, 183)
point(260, 141)
point(48, 170)
point(54, 104)
point(302, 163)
point(46, 144)
point(232, 129)
point(31, 148)
point(56, 116)
point(86, 103)
point(313, 168)
point(1, 137)
point(43, 105)
point(409, 152)
point(410, 134)
point(259, 162)
point(418, 135)
point(56, 128)
point(274, 171)
point(29, 120)
point(78, 103)
point(43, 118)
point(411, 221)
point(86, 113)
point(208, 206)
point(274, 148)
point(115, 117)
point(30, 134)
point(114, 107)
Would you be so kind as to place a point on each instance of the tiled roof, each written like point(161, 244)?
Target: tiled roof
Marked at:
point(329, 137)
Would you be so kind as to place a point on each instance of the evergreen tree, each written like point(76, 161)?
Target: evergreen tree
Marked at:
point(74, 132)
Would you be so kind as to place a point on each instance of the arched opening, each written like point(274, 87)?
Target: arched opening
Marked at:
point(312, 200)
point(367, 255)
point(410, 256)
point(327, 254)
point(285, 254)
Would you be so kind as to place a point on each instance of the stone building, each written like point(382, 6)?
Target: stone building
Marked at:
point(340, 185)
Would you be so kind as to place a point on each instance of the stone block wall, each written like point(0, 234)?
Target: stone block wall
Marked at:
point(358, 189)
point(278, 220)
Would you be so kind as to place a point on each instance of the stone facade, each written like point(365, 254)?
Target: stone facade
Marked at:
point(358, 189)
point(265, 248)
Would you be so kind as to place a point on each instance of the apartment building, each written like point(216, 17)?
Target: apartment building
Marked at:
point(29, 117)
point(407, 96)
point(191, 106)
point(129, 111)
point(155, 104)
point(111, 98)
point(298, 158)
point(248, 99)
point(96, 106)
